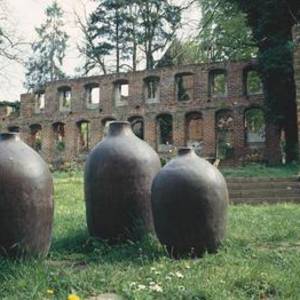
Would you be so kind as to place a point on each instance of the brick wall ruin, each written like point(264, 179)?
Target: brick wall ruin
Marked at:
point(216, 108)
point(207, 106)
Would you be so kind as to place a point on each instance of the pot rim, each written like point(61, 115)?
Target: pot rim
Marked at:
point(185, 150)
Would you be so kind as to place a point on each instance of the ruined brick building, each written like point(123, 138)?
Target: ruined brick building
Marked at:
point(216, 108)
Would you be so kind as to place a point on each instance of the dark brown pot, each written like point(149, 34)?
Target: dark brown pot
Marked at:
point(118, 177)
point(189, 201)
point(26, 199)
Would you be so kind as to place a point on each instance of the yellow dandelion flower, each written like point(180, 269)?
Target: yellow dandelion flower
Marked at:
point(50, 292)
point(73, 297)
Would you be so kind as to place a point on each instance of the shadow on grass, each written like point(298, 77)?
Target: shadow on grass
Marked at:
point(81, 247)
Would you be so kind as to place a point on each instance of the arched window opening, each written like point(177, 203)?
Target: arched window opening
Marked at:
point(36, 137)
point(252, 82)
point(255, 128)
point(151, 89)
point(164, 132)
point(217, 83)
point(121, 92)
point(13, 129)
point(65, 96)
point(59, 136)
point(137, 125)
point(92, 92)
point(194, 131)
point(84, 136)
point(184, 86)
point(224, 134)
point(8, 111)
point(40, 103)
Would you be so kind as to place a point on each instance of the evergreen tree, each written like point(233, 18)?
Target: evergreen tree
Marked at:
point(90, 50)
point(159, 21)
point(122, 27)
point(45, 63)
point(108, 27)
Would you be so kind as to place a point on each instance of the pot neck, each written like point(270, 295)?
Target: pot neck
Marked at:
point(119, 128)
point(9, 136)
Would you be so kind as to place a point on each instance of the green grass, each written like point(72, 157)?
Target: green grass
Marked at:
point(260, 259)
point(259, 170)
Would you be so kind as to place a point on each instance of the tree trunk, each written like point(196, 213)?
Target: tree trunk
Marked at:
point(280, 99)
point(291, 130)
point(117, 43)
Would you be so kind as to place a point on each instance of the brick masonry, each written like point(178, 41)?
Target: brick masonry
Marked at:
point(200, 102)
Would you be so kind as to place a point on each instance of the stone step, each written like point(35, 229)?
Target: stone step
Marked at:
point(265, 200)
point(263, 185)
point(260, 179)
point(261, 193)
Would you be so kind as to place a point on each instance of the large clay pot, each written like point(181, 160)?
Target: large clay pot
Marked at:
point(26, 199)
point(118, 177)
point(189, 201)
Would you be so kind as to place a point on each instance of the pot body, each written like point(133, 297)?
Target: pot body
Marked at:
point(189, 201)
point(118, 177)
point(26, 199)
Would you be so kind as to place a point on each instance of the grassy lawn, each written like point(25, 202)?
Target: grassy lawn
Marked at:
point(260, 259)
point(259, 170)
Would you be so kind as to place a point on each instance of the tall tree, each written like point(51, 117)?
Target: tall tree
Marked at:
point(271, 22)
point(159, 21)
point(127, 28)
point(93, 53)
point(45, 64)
point(107, 28)
point(132, 34)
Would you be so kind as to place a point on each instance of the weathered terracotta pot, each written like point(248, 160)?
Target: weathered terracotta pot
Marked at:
point(26, 199)
point(189, 201)
point(118, 177)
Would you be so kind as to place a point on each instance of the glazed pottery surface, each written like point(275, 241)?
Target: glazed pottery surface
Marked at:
point(189, 200)
point(26, 199)
point(118, 177)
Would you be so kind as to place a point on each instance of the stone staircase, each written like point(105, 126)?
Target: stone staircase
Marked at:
point(263, 190)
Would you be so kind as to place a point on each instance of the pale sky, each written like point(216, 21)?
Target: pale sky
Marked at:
point(25, 15)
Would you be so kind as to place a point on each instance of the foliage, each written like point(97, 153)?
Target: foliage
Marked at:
point(120, 28)
point(225, 149)
point(181, 53)
point(255, 119)
point(16, 105)
point(48, 51)
point(254, 83)
point(219, 84)
point(93, 53)
point(271, 23)
point(259, 259)
point(107, 27)
point(223, 35)
point(159, 20)
point(165, 129)
point(60, 146)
